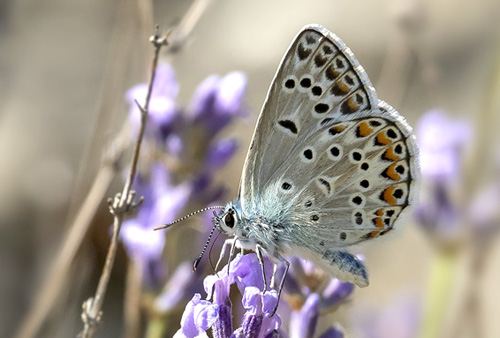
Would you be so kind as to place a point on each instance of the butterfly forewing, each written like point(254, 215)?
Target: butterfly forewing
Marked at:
point(326, 153)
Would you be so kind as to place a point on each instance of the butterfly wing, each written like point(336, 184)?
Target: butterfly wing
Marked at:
point(327, 159)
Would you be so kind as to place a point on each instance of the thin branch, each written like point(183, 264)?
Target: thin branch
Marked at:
point(132, 302)
point(184, 28)
point(119, 206)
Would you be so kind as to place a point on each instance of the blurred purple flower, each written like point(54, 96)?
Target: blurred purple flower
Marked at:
point(312, 292)
point(335, 293)
point(441, 141)
point(303, 322)
point(162, 106)
point(187, 173)
point(217, 100)
point(143, 244)
point(220, 153)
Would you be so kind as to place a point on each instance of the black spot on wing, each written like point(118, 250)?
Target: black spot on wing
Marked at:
point(325, 184)
point(302, 52)
point(290, 125)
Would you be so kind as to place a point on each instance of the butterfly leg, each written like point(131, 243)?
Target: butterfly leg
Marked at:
point(258, 250)
point(227, 243)
point(231, 253)
point(282, 283)
point(273, 277)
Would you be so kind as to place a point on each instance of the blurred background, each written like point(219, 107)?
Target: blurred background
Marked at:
point(65, 68)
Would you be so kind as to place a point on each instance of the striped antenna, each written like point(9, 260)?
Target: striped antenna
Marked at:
point(198, 260)
point(165, 226)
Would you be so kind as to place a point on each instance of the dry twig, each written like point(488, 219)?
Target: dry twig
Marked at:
point(119, 206)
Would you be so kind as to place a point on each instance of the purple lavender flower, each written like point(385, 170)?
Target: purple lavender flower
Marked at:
point(442, 142)
point(245, 272)
point(162, 204)
point(162, 106)
point(220, 153)
point(217, 100)
point(186, 171)
point(310, 292)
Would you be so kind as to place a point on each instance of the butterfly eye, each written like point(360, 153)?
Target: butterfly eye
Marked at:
point(229, 220)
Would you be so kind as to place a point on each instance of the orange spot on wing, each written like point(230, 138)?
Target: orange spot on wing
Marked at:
point(374, 233)
point(390, 155)
point(391, 172)
point(379, 222)
point(352, 104)
point(388, 196)
point(339, 128)
point(342, 86)
point(382, 138)
point(364, 129)
point(380, 212)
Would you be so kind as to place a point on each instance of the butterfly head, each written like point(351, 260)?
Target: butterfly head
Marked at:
point(228, 220)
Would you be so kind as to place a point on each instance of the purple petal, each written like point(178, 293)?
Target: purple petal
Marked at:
point(218, 285)
point(223, 327)
point(269, 301)
point(252, 300)
point(162, 108)
point(441, 140)
point(165, 81)
point(175, 145)
point(247, 272)
point(217, 101)
point(141, 243)
point(169, 204)
point(204, 97)
point(250, 327)
point(335, 293)
point(198, 317)
point(230, 93)
point(303, 322)
point(220, 153)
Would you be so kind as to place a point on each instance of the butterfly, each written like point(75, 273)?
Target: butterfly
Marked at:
point(330, 165)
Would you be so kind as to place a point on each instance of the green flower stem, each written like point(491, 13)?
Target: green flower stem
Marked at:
point(443, 272)
point(157, 326)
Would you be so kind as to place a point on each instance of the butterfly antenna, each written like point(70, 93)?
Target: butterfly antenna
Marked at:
point(198, 260)
point(165, 226)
